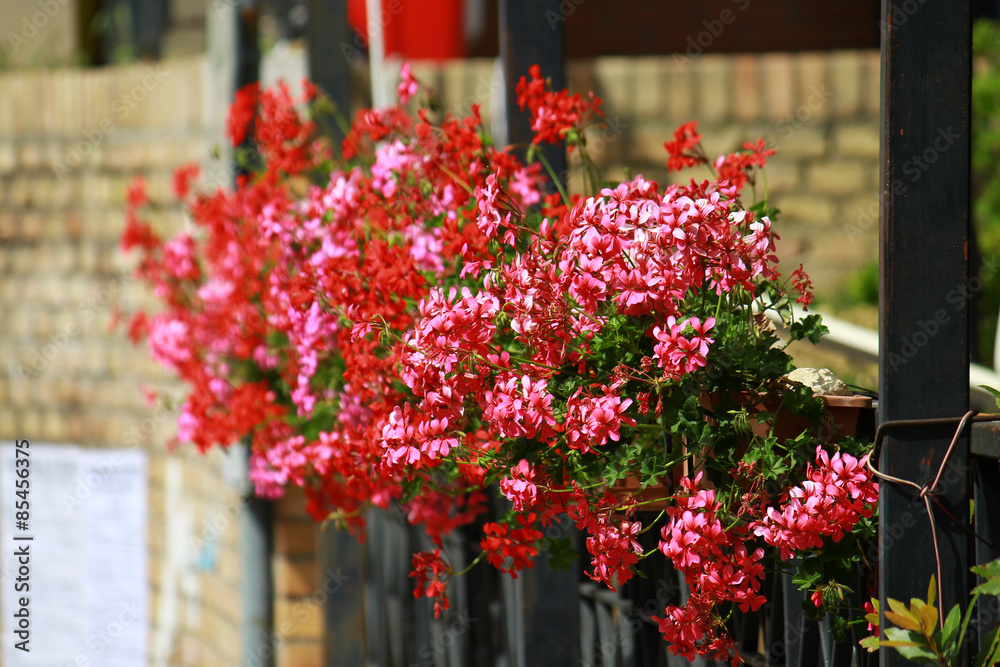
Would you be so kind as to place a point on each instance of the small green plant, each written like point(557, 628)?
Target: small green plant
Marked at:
point(115, 25)
point(986, 173)
point(862, 285)
point(918, 637)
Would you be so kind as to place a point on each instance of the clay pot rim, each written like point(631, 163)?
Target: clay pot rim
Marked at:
point(848, 401)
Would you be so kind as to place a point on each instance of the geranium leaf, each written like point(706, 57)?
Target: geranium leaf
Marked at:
point(991, 572)
point(810, 327)
point(562, 555)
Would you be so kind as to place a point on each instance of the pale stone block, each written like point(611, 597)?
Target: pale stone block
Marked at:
point(797, 142)
point(841, 177)
point(713, 88)
point(858, 140)
point(845, 83)
point(807, 210)
point(872, 82)
point(811, 83)
point(293, 577)
point(298, 619)
point(300, 654)
point(746, 87)
point(778, 84)
point(648, 98)
point(614, 81)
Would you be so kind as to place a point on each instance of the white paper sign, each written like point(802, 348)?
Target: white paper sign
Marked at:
point(86, 570)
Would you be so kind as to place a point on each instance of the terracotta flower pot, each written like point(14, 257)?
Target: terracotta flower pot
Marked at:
point(841, 418)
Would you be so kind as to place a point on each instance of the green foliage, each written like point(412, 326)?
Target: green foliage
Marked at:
point(919, 636)
point(993, 392)
point(986, 169)
point(562, 555)
point(862, 286)
point(810, 326)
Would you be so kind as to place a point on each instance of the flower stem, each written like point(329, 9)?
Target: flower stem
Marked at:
point(555, 178)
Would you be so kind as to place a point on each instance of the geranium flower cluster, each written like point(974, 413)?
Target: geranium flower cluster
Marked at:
point(410, 319)
point(716, 565)
point(828, 503)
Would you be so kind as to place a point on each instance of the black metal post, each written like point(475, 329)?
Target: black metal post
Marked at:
point(343, 607)
point(551, 610)
point(528, 37)
point(247, 63)
point(328, 34)
point(924, 325)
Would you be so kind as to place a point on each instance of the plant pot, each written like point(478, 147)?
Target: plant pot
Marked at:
point(841, 420)
point(842, 415)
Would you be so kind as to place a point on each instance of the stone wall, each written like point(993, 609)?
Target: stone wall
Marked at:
point(39, 33)
point(71, 141)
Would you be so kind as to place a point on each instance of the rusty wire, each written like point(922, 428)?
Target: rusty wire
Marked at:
point(927, 490)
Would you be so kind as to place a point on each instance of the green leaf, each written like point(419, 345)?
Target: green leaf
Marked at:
point(810, 327)
point(911, 645)
point(807, 576)
point(871, 644)
point(988, 654)
point(918, 654)
point(991, 587)
point(948, 633)
point(902, 616)
point(994, 392)
point(562, 555)
point(990, 571)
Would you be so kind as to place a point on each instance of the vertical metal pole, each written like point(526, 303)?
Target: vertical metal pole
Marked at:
point(329, 38)
point(247, 56)
point(256, 530)
point(343, 608)
point(528, 37)
point(924, 325)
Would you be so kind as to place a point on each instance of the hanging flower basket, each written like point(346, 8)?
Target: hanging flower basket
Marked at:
point(417, 317)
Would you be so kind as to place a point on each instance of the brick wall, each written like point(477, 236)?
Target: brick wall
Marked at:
point(71, 140)
point(298, 604)
point(38, 33)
